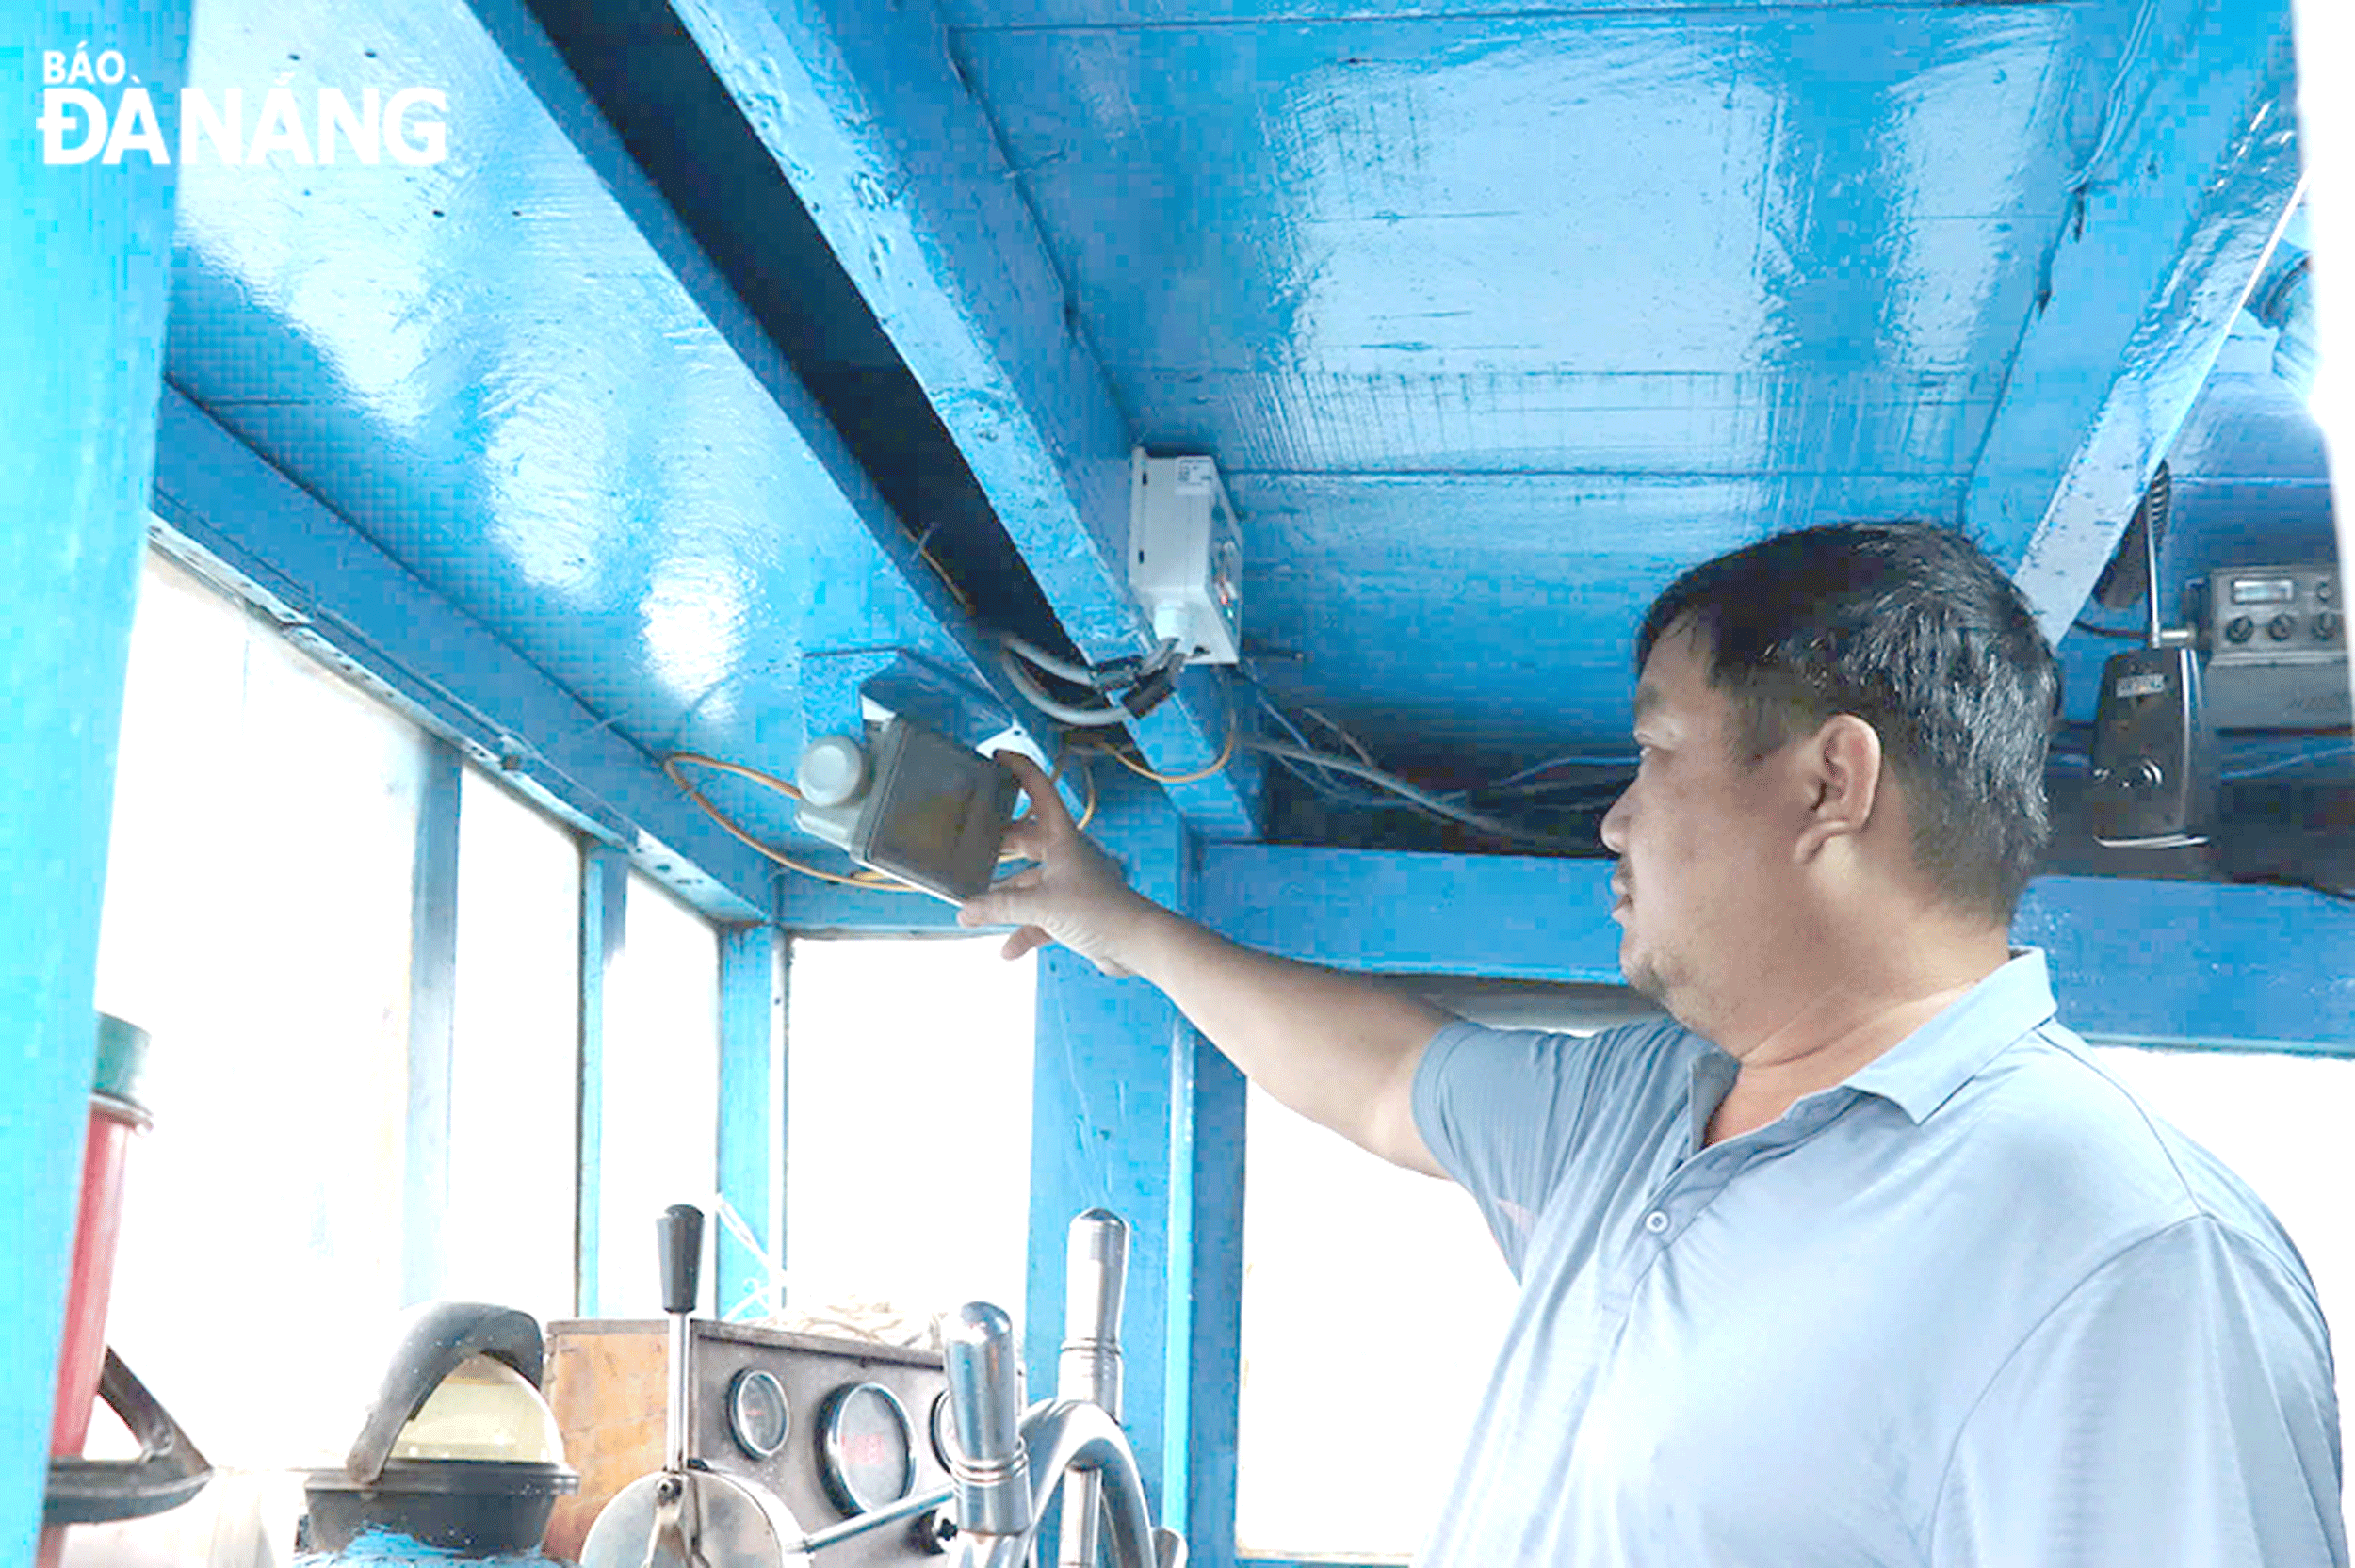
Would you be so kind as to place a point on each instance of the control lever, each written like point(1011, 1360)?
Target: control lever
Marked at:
point(990, 1466)
point(1095, 1279)
point(678, 1234)
point(687, 1515)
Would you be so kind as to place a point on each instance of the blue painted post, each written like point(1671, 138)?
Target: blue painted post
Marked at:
point(1111, 1119)
point(83, 277)
point(432, 1023)
point(604, 909)
point(1213, 1366)
point(752, 1106)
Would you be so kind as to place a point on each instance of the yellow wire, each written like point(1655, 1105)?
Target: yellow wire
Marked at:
point(869, 881)
point(1087, 807)
point(1226, 754)
point(781, 786)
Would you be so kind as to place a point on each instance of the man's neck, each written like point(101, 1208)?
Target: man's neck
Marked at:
point(1814, 1031)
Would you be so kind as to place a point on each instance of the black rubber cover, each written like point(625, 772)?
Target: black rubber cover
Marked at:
point(439, 1336)
point(678, 1233)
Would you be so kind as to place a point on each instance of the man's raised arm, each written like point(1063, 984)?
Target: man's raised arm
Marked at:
point(1341, 1049)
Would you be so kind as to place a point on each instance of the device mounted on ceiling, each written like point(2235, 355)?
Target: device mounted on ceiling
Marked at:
point(1185, 556)
point(915, 804)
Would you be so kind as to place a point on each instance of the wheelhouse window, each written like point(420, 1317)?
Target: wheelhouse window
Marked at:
point(908, 1180)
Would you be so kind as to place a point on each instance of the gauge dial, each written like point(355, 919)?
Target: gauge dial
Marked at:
point(866, 1448)
point(758, 1418)
point(943, 1435)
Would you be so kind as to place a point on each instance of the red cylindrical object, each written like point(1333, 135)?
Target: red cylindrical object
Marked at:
point(83, 1355)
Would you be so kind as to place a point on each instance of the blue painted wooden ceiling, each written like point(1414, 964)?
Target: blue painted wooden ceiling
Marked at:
point(733, 334)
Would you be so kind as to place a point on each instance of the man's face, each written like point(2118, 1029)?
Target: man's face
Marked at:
point(1700, 874)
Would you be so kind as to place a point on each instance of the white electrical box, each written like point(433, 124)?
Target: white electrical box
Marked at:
point(1185, 556)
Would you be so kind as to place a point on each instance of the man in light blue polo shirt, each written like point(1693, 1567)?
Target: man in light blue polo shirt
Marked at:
point(1858, 1261)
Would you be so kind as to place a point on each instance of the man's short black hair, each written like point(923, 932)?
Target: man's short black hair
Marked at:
point(1911, 629)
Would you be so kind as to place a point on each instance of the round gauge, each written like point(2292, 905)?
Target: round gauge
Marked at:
point(758, 1418)
point(944, 1432)
point(866, 1448)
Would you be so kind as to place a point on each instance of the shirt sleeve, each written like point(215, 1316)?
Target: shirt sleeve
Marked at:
point(1506, 1113)
point(2176, 1408)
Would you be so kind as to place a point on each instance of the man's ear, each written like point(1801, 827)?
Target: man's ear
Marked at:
point(1840, 770)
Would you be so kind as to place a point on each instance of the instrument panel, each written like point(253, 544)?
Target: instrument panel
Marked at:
point(833, 1427)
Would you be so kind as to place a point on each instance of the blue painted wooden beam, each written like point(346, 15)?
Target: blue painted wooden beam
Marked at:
point(84, 278)
point(805, 904)
point(984, 699)
point(432, 1023)
point(2142, 291)
point(604, 924)
point(751, 1109)
point(1113, 1125)
point(2195, 963)
point(232, 515)
point(866, 116)
point(1511, 917)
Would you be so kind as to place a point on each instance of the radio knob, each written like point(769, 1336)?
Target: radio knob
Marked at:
point(2323, 591)
point(2326, 625)
point(2238, 628)
point(2281, 627)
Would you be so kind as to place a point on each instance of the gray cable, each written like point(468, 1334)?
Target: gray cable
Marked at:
point(1078, 674)
point(1063, 713)
point(1401, 787)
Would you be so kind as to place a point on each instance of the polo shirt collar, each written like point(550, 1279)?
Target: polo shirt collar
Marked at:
point(1923, 1070)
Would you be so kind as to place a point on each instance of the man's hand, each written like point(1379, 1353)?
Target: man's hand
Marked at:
point(1074, 895)
point(1341, 1049)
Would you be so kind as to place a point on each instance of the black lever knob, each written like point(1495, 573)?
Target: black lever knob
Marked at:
point(679, 1235)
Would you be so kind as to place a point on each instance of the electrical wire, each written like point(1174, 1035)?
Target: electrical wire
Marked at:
point(1330, 788)
point(1530, 774)
point(781, 787)
point(2282, 764)
point(1511, 780)
point(1063, 713)
point(1226, 754)
point(1334, 790)
point(1087, 781)
point(871, 882)
point(1078, 674)
point(1491, 825)
point(1343, 735)
point(2083, 625)
point(2112, 121)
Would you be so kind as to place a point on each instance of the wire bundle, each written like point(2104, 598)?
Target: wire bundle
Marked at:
point(1020, 659)
point(1351, 779)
